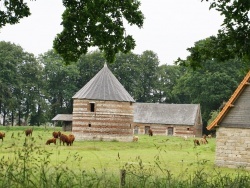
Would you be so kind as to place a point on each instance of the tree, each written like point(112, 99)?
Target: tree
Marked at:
point(126, 68)
point(19, 81)
point(233, 40)
point(148, 64)
point(167, 79)
point(61, 81)
point(13, 11)
point(10, 59)
point(98, 23)
point(86, 23)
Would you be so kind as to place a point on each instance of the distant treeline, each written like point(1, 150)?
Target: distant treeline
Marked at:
point(34, 89)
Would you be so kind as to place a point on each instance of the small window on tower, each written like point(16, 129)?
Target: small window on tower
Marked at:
point(89, 125)
point(92, 107)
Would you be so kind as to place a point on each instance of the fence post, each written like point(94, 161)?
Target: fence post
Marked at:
point(122, 177)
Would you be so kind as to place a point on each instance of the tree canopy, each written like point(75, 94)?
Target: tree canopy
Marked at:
point(233, 39)
point(86, 23)
point(12, 11)
point(100, 23)
point(97, 23)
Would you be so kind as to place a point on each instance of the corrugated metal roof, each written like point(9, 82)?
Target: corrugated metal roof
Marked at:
point(62, 117)
point(236, 94)
point(104, 86)
point(175, 114)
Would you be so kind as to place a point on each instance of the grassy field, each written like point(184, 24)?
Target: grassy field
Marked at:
point(158, 155)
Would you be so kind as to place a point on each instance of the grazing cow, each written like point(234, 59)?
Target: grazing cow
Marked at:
point(2, 135)
point(71, 139)
point(196, 142)
point(64, 139)
point(52, 140)
point(28, 132)
point(203, 140)
point(56, 134)
point(135, 139)
point(150, 132)
point(67, 139)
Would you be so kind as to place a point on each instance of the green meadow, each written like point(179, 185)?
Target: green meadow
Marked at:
point(150, 162)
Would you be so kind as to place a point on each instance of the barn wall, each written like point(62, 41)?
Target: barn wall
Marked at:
point(111, 120)
point(233, 147)
point(238, 115)
point(67, 127)
point(160, 129)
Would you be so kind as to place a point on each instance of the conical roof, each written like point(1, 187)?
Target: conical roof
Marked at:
point(104, 86)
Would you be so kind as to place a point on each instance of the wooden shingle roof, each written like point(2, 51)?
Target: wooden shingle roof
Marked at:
point(169, 114)
point(104, 86)
point(230, 103)
point(62, 117)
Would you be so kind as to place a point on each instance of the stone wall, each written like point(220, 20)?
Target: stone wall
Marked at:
point(233, 147)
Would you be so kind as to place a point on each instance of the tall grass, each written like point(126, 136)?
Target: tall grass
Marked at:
point(152, 162)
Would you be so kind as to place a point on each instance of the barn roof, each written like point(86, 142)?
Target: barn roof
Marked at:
point(62, 117)
point(104, 86)
point(174, 114)
point(230, 102)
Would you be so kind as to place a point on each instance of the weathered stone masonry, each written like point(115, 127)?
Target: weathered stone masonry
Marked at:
point(233, 147)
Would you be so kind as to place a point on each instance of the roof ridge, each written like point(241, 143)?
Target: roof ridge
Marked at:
point(230, 101)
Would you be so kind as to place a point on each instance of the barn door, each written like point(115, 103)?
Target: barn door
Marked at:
point(170, 131)
point(136, 130)
point(146, 129)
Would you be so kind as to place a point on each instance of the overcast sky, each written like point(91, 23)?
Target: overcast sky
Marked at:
point(170, 27)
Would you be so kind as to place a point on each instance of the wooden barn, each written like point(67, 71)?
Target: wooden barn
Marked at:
point(168, 119)
point(65, 120)
point(103, 109)
point(232, 127)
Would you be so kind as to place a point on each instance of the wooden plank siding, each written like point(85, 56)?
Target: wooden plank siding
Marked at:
point(110, 120)
point(239, 114)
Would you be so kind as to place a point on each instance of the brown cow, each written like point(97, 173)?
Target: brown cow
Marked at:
point(56, 134)
point(64, 139)
point(2, 135)
point(52, 140)
point(71, 139)
point(28, 132)
point(67, 139)
point(150, 132)
point(204, 139)
point(196, 142)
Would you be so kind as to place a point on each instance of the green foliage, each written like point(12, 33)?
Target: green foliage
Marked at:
point(233, 39)
point(13, 11)
point(60, 83)
point(97, 23)
point(20, 82)
point(213, 115)
point(168, 76)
